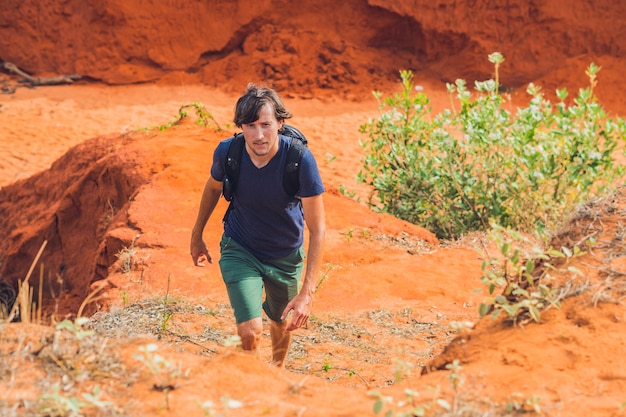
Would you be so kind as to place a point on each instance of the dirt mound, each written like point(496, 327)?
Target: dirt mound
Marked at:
point(558, 360)
point(68, 210)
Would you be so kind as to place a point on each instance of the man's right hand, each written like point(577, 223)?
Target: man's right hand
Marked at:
point(199, 252)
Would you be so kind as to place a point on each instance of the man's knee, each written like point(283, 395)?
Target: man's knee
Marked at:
point(250, 333)
point(279, 325)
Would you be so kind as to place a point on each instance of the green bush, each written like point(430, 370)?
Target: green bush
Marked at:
point(523, 273)
point(460, 170)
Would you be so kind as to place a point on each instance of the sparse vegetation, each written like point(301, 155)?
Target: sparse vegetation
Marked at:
point(328, 267)
point(457, 401)
point(351, 194)
point(464, 169)
point(203, 117)
point(127, 257)
point(210, 408)
point(76, 327)
point(408, 407)
point(56, 404)
point(523, 273)
point(164, 371)
point(520, 404)
point(327, 366)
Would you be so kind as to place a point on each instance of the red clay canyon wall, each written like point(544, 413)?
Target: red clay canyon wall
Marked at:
point(317, 46)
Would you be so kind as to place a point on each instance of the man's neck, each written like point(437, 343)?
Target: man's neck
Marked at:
point(260, 161)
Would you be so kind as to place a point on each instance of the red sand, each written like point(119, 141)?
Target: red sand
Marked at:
point(77, 173)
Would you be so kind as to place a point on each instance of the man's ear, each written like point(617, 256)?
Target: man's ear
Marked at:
point(281, 123)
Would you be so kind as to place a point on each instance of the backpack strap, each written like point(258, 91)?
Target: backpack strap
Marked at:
point(291, 173)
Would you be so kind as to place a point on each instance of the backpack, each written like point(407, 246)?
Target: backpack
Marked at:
point(291, 181)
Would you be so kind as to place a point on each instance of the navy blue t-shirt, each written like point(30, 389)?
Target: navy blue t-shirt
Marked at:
point(264, 219)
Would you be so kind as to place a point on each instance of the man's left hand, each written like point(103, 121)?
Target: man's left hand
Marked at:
point(301, 307)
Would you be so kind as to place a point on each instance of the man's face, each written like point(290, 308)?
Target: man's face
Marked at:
point(262, 135)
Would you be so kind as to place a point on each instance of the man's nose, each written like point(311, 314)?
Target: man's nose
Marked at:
point(258, 133)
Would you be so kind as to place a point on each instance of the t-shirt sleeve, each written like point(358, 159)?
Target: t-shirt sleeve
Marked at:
point(219, 158)
point(310, 179)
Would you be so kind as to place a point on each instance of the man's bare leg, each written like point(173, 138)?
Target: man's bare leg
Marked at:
point(250, 333)
point(280, 342)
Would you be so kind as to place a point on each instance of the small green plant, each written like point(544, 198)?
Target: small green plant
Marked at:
point(167, 316)
point(164, 371)
point(56, 404)
point(460, 170)
point(522, 271)
point(327, 365)
point(518, 403)
point(410, 407)
point(351, 194)
point(203, 117)
point(167, 313)
point(402, 370)
point(209, 407)
point(125, 298)
point(327, 268)
point(76, 327)
point(232, 341)
point(456, 381)
point(407, 407)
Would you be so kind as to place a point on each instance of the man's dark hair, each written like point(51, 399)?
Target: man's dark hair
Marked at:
point(249, 105)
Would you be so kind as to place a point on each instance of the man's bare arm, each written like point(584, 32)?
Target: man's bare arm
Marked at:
point(316, 223)
point(210, 197)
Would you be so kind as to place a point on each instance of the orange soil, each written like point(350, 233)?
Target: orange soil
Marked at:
point(147, 184)
point(77, 173)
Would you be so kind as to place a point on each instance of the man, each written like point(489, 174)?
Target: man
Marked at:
point(262, 244)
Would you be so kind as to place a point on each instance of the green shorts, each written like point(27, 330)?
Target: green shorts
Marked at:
point(246, 276)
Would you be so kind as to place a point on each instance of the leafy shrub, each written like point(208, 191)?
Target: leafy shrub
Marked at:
point(460, 170)
point(523, 272)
